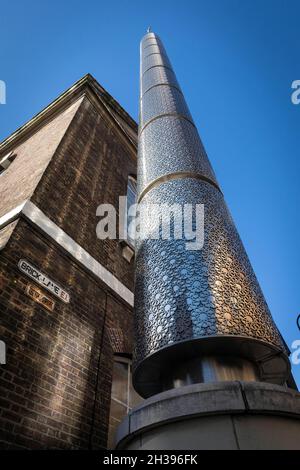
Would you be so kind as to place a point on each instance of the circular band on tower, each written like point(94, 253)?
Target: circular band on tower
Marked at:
point(157, 65)
point(175, 176)
point(179, 116)
point(161, 84)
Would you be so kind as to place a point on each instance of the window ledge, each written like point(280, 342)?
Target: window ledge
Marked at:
point(128, 251)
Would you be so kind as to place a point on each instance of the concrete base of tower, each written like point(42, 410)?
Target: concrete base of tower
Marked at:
point(223, 415)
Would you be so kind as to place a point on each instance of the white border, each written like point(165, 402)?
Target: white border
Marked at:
point(36, 216)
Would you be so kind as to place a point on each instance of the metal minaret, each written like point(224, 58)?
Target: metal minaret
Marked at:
point(200, 315)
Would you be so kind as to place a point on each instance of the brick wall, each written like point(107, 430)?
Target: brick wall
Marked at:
point(18, 182)
point(50, 397)
point(91, 167)
point(56, 384)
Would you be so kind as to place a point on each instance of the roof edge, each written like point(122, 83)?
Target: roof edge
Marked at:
point(75, 91)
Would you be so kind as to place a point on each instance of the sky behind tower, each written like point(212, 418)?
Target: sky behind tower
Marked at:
point(235, 61)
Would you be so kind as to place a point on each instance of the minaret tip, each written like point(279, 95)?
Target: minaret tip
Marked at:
point(149, 29)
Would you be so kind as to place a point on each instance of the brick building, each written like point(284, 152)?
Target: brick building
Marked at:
point(65, 295)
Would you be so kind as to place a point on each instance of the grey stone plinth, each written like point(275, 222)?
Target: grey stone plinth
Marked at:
point(227, 415)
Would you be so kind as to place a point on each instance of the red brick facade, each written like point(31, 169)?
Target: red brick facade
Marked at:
point(56, 383)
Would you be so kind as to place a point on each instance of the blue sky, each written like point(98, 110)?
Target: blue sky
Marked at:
point(235, 61)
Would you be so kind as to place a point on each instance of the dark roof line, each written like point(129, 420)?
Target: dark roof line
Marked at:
point(76, 89)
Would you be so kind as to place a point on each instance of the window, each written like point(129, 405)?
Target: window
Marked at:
point(131, 200)
point(6, 161)
point(123, 395)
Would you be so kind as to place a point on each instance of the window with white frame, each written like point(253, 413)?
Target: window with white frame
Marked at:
point(123, 395)
point(6, 161)
point(131, 200)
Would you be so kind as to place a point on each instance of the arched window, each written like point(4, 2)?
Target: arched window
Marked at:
point(123, 395)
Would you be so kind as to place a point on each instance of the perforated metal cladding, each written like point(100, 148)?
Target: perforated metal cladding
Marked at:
point(155, 59)
point(172, 141)
point(183, 295)
point(149, 40)
point(175, 146)
point(148, 43)
point(163, 100)
point(152, 48)
point(156, 76)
